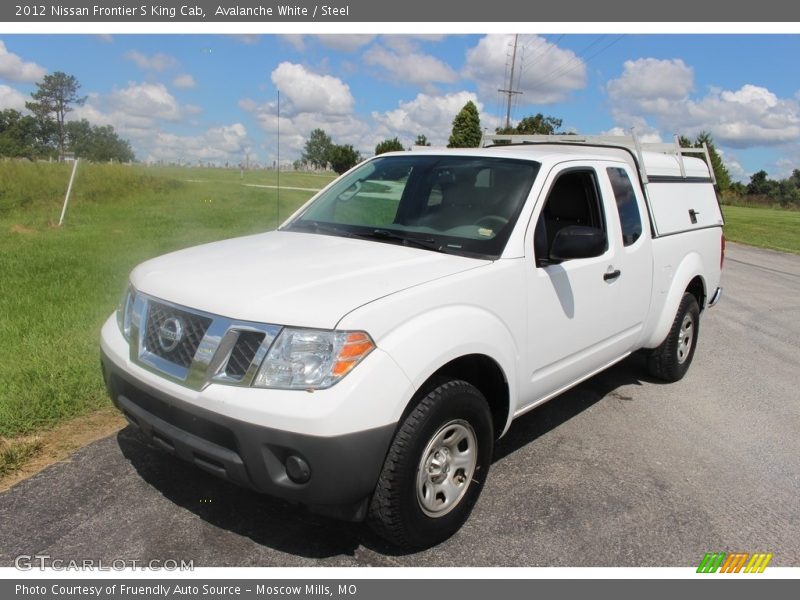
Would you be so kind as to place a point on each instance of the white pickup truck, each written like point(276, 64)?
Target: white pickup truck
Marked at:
point(363, 359)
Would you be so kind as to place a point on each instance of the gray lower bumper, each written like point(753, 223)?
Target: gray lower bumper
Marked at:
point(341, 471)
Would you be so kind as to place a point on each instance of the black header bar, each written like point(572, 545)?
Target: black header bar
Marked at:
point(437, 11)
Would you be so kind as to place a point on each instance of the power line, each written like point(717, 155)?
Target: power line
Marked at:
point(566, 68)
point(541, 56)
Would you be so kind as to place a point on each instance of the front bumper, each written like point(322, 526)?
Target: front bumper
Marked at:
point(324, 449)
point(335, 475)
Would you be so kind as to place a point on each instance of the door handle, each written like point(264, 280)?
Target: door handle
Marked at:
point(611, 275)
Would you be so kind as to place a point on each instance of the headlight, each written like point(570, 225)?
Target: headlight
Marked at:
point(125, 312)
point(311, 358)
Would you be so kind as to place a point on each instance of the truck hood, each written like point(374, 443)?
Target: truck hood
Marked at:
point(291, 278)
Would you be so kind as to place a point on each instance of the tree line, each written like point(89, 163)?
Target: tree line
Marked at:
point(45, 133)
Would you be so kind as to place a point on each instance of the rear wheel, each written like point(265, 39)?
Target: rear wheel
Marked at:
point(435, 468)
point(671, 360)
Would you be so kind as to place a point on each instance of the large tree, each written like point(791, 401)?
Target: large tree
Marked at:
point(760, 184)
point(392, 145)
point(54, 97)
point(317, 149)
point(537, 124)
point(23, 136)
point(343, 158)
point(466, 128)
point(98, 144)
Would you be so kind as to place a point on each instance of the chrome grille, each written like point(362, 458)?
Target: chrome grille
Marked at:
point(208, 349)
point(243, 353)
point(193, 328)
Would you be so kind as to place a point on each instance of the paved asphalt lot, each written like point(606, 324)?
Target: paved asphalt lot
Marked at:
point(621, 471)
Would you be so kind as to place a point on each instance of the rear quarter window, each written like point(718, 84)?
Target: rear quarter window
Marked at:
point(627, 208)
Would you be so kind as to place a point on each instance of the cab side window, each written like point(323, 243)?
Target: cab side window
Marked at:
point(573, 199)
point(629, 216)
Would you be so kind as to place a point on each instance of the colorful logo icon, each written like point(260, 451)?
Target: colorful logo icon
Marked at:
point(734, 562)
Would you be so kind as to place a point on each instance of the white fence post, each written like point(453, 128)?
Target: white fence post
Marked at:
point(69, 189)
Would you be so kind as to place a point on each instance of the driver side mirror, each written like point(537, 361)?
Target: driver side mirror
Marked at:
point(577, 241)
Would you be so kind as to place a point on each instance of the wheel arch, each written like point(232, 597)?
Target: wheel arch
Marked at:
point(481, 371)
point(688, 278)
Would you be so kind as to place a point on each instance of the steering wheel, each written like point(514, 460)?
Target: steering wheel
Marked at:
point(491, 222)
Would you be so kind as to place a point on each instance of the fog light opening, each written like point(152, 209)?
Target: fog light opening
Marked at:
point(297, 469)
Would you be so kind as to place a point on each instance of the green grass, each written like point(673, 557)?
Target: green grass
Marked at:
point(58, 285)
point(764, 227)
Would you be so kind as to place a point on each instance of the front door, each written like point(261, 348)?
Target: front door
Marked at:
point(572, 305)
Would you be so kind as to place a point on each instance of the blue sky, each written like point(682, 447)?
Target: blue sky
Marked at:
point(214, 97)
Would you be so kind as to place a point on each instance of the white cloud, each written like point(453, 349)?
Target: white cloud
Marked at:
point(646, 134)
point(427, 114)
point(184, 81)
point(735, 169)
point(248, 39)
point(105, 37)
point(11, 98)
point(228, 143)
point(149, 100)
point(295, 40)
point(411, 67)
point(152, 62)
point(307, 92)
point(409, 43)
point(345, 42)
point(429, 37)
point(652, 92)
point(140, 112)
point(430, 115)
point(295, 128)
point(13, 68)
point(546, 73)
point(334, 41)
point(649, 78)
point(137, 112)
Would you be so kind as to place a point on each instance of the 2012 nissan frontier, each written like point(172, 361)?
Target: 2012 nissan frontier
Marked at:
point(363, 358)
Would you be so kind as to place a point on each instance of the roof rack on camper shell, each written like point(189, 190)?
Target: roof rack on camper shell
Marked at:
point(631, 143)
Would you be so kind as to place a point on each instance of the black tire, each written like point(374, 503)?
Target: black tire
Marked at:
point(672, 358)
point(396, 511)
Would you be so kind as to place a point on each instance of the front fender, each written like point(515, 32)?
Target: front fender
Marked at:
point(460, 330)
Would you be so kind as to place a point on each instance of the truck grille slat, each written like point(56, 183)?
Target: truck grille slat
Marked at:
point(243, 353)
point(161, 317)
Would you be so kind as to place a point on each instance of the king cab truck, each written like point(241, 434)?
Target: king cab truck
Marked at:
point(363, 358)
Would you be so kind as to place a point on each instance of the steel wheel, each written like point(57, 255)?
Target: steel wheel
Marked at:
point(685, 338)
point(671, 359)
point(436, 466)
point(446, 468)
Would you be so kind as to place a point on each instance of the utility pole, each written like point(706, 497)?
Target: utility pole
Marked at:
point(510, 91)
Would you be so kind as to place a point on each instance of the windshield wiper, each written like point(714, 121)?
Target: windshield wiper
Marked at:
point(375, 234)
point(387, 234)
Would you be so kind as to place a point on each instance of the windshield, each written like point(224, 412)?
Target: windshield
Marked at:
point(457, 204)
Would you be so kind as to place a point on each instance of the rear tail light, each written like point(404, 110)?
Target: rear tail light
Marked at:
point(721, 251)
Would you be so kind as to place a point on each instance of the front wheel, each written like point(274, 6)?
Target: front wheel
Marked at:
point(435, 468)
point(672, 358)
